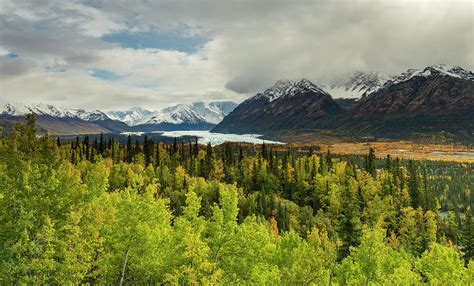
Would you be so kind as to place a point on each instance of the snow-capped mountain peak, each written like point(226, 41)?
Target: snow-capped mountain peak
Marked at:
point(39, 109)
point(287, 88)
point(278, 89)
point(434, 70)
point(304, 85)
point(454, 71)
point(90, 115)
point(130, 117)
point(13, 109)
point(51, 110)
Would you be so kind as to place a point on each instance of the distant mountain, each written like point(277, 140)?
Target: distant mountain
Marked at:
point(131, 117)
point(195, 116)
point(60, 121)
point(51, 110)
point(356, 85)
point(64, 121)
point(286, 105)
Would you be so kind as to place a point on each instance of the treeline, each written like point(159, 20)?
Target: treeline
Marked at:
point(100, 212)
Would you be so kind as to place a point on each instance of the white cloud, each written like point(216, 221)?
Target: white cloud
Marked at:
point(3, 51)
point(252, 44)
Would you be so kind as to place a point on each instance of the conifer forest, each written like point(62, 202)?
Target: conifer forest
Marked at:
point(98, 212)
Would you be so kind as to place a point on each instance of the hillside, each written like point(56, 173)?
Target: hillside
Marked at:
point(286, 105)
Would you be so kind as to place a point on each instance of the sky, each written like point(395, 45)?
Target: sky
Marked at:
point(115, 54)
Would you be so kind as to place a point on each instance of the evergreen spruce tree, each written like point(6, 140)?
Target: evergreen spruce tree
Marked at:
point(208, 159)
point(109, 143)
point(129, 149)
point(146, 150)
point(158, 155)
point(263, 152)
point(136, 149)
point(468, 235)
point(196, 146)
point(101, 144)
point(370, 162)
point(413, 184)
point(175, 146)
point(388, 162)
point(328, 160)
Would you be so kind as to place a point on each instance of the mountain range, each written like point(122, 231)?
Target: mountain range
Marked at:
point(433, 100)
point(65, 121)
point(438, 99)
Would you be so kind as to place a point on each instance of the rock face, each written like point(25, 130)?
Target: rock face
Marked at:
point(286, 105)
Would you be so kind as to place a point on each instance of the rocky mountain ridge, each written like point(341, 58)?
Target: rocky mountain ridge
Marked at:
point(435, 99)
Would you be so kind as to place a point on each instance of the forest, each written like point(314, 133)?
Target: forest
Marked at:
point(98, 212)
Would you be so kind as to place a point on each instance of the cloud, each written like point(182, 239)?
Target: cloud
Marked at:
point(11, 66)
point(172, 51)
point(324, 41)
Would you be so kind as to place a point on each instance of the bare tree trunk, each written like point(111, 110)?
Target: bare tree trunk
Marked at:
point(124, 267)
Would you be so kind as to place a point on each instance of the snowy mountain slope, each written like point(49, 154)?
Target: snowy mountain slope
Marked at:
point(287, 88)
point(39, 109)
point(51, 110)
point(194, 113)
point(434, 70)
point(131, 117)
point(13, 109)
point(95, 115)
point(356, 85)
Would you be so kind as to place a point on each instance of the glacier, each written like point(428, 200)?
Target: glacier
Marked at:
point(206, 137)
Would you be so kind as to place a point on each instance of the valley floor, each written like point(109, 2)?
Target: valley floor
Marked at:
point(408, 149)
point(405, 149)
